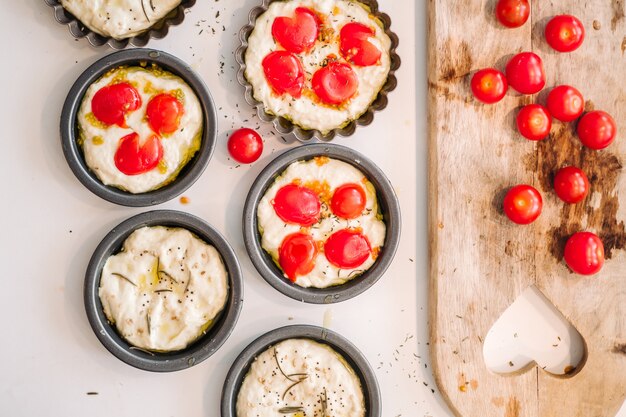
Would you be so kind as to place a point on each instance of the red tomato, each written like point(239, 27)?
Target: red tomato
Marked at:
point(245, 145)
point(297, 204)
point(565, 33)
point(355, 47)
point(348, 201)
point(525, 73)
point(522, 204)
point(584, 253)
point(596, 129)
point(163, 113)
point(335, 84)
point(565, 103)
point(571, 184)
point(133, 159)
point(512, 13)
point(347, 249)
point(284, 73)
point(297, 34)
point(110, 104)
point(297, 255)
point(489, 85)
point(534, 122)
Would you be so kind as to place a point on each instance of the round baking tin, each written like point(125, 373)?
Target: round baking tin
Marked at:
point(358, 362)
point(69, 130)
point(199, 350)
point(285, 126)
point(156, 31)
point(262, 261)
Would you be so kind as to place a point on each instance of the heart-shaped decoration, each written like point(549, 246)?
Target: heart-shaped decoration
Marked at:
point(355, 45)
point(531, 331)
point(284, 73)
point(297, 34)
point(133, 158)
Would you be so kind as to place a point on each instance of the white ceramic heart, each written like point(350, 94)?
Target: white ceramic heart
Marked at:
point(533, 331)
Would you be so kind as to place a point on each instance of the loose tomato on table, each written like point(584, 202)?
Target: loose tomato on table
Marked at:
point(525, 73)
point(284, 73)
point(133, 158)
point(571, 184)
point(565, 103)
point(355, 47)
point(596, 129)
point(335, 83)
point(245, 145)
point(534, 122)
point(348, 201)
point(297, 255)
point(163, 113)
point(522, 204)
point(297, 204)
point(489, 85)
point(297, 34)
point(565, 33)
point(110, 104)
point(512, 13)
point(347, 248)
point(584, 253)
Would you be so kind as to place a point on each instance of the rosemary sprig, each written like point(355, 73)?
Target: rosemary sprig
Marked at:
point(355, 273)
point(281, 369)
point(163, 290)
point(115, 274)
point(151, 5)
point(143, 350)
point(143, 8)
point(161, 271)
point(293, 385)
point(324, 400)
point(290, 410)
point(148, 322)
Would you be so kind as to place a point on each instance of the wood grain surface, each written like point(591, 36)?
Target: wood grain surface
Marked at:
point(481, 262)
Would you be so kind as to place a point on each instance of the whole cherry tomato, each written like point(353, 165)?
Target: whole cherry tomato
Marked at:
point(571, 184)
point(335, 83)
point(355, 47)
point(525, 73)
point(110, 104)
point(348, 201)
point(565, 33)
point(131, 158)
point(584, 253)
point(534, 122)
point(245, 145)
point(284, 73)
point(565, 103)
point(523, 204)
point(296, 255)
point(489, 85)
point(596, 129)
point(296, 204)
point(297, 34)
point(347, 248)
point(512, 13)
point(163, 113)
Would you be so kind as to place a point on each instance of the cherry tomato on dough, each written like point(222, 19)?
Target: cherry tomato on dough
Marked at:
point(296, 204)
point(347, 248)
point(245, 145)
point(512, 13)
point(571, 184)
point(489, 85)
point(565, 103)
point(110, 104)
point(522, 204)
point(355, 47)
point(584, 253)
point(163, 113)
point(335, 83)
point(284, 73)
point(348, 201)
point(297, 254)
point(596, 129)
point(525, 73)
point(534, 122)
point(131, 158)
point(297, 34)
point(565, 33)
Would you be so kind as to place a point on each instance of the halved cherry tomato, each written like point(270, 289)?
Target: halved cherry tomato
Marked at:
point(348, 201)
point(596, 129)
point(584, 253)
point(335, 84)
point(347, 248)
point(565, 33)
point(489, 85)
point(525, 73)
point(296, 204)
point(565, 103)
point(534, 122)
point(297, 34)
point(284, 73)
point(355, 47)
point(245, 145)
point(297, 254)
point(163, 113)
point(110, 104)
point(571, 184)
point(523, 204)
point(133, 159)
point(512, 13)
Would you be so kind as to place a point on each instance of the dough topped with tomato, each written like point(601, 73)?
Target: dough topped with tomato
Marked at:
point(318, 63)
point(321, 223)
point(138, 127)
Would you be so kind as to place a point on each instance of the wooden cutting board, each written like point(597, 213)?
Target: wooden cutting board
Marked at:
point(481, 262)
